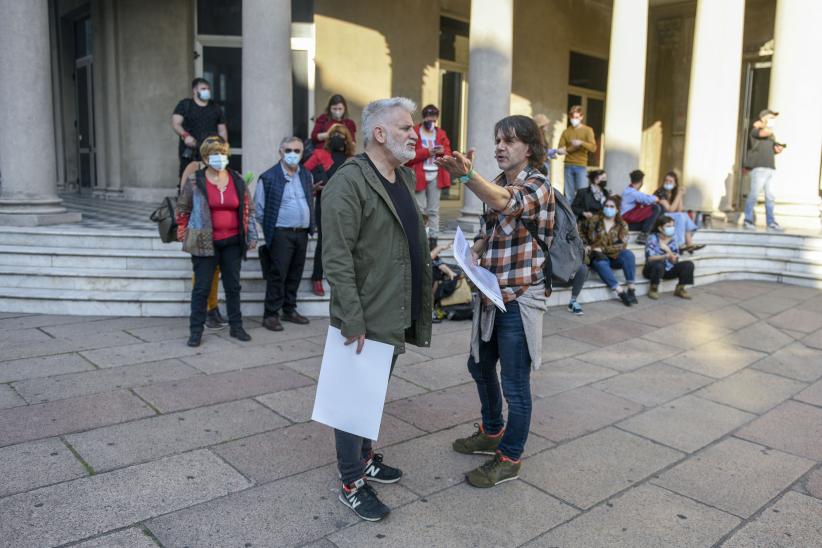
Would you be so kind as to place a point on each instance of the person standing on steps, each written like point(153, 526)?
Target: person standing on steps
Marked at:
point(577, 141)
point(379, 270)
point(194, 119)
point(760, 160)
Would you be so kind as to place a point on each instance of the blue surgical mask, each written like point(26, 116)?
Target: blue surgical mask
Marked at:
point(292, 158)
point(218, 161)
point(204, 94)
point(428, 125)
point(609, 212)
point(668, 186)
point(669, 231)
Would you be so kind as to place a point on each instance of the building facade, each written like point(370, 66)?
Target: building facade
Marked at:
point(89, 86)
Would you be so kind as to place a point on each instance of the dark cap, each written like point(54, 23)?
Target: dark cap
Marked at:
point(763, 113)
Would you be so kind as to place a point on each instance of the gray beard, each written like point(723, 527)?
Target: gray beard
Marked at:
point(399, 151)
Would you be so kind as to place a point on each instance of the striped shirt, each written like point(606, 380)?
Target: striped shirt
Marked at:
point(511, 253)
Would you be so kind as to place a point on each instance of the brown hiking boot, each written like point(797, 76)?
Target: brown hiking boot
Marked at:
point(653, 292)
point(681, 293)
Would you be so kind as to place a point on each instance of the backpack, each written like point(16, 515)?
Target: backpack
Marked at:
point(166, 221)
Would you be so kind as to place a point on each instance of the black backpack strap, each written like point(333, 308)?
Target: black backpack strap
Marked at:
point(547, 266)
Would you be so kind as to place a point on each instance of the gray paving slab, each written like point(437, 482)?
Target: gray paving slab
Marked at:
point(289, 512)
point(554, 323)
point(687, 423)
point(813, 304)
point(46, 366)
point(437, 373)
point(653, 384)
point(154, 351)
point(437, 410)
point(196, 391)
point(158, 333)
point(232, 357)
point(814, 340)
point(9, 398)
point(752, 390)
point(577, 412)
point(760, 336)
point(565, 374)
point(812, 394)
point(557, 347)
point(592, 468)
point(716, 359)
point(71, 385)
point(644, 517)
point(297, 448)
point(128, 538)
point(734, 475)
point(30, 465)
point(44, 420)
point(430, 464)
point(409, 357)
point(658, 316)
point(316, 331)
point(742, 290)
point(296, 405)
point(23, 335)
point(797, 319)
point(90, 506)
point(731, 317)
point(813, 483)
point(448, 344)
point(608, 332)
point(793, 427)
point(796, 361)
point(399, 389)
point(464, 516)
point(796, 292)
point(107, 325)
point(631, 354)
point(768, 305)
point(688, 334)
point(792, 522)
point(310, 367)
point(102, 341)
point(139, 441)
point(23, 321)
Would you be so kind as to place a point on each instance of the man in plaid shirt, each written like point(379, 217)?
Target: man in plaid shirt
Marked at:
point(519, 201)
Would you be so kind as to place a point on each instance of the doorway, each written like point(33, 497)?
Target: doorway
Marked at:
point(84, 108)
point(755, 88)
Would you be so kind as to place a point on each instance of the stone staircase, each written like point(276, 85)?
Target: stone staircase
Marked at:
point(64, 270)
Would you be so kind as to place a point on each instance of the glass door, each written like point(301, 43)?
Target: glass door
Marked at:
point(755, 88)
point(84, 107)
point(452, 104)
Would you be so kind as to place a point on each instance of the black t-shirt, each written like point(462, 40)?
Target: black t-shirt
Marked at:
point(200, 122)
point(339, 159)
point(761, 153)
point(407, 210)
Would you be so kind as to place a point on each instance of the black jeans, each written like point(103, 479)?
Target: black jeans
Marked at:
point(228, 255)
point(282, 263)
point(317, 274)
point(353, 451)
point(655, 271)
point(648, 224)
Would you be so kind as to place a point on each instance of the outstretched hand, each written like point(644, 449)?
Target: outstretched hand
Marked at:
point(457, 165)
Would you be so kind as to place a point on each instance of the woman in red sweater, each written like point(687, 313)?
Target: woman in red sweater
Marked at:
point(323, 164)
point(335, 113)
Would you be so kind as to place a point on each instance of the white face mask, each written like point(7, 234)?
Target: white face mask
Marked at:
point(668, 186)
point(669, 231)
point(575, 122)
point(218, 161)
point(204, 94)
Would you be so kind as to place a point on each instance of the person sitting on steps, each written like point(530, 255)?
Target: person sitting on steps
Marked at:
point(662, 260)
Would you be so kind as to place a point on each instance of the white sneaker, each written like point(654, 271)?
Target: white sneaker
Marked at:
point(749, 226)
point(774, 227)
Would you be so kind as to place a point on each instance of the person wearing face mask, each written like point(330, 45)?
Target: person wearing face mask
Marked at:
point(662, 260)
point(671, 196)
point(762, 149)
point(335, 113)
point(431, 179)
point(577, 141)
point(322, 164)
point(638, 209)
point(606, 241)
point(215, 223)
point(588, 201)
point(194, 119)
point(284, 202)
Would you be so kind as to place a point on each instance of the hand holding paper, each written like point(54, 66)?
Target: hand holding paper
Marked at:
point(484, 280)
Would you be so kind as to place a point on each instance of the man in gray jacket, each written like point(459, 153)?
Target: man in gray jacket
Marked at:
point(378, 266)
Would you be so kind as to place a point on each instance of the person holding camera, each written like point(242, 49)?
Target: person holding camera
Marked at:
point(760, 160)
point(194, 119)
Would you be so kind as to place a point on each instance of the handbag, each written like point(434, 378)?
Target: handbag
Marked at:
point(166, 220)
point(461, 294)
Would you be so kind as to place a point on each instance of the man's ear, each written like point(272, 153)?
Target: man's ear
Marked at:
point(379, 135)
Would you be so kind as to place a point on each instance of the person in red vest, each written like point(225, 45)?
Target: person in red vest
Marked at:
point(431, 179)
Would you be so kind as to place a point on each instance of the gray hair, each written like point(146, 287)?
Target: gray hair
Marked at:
point(374, 113)
point(289, 139)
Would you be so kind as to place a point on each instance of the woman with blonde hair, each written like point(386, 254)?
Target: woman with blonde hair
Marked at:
point(323, 164)
point(215, 223)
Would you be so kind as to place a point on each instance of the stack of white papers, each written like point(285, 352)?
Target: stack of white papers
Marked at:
point(485, 280)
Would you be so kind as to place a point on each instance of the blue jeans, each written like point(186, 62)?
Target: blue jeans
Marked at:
point(761, 178)
point(576, 177)
point(625, 260)
point(509, 347)
point(682, 225)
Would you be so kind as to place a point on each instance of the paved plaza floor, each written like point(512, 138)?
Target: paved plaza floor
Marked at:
point(672, 423)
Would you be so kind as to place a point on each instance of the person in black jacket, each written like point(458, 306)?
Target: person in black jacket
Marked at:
point(588, 201)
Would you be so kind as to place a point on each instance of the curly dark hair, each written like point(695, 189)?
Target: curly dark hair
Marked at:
point(526, 130)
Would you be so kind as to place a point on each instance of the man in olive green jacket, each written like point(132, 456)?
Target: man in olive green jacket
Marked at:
point(376, 259)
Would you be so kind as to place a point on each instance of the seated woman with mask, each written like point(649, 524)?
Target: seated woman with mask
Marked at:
point(662, 260)
point(588, 201)
point(606, 239)
point(671, 196)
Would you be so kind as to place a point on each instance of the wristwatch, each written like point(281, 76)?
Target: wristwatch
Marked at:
point(466, 178)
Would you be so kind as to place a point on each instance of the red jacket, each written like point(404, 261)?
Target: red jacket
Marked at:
point(443, 178)
point(324, 122)
point(321, 157)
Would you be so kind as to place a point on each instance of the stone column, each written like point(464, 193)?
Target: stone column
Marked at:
point(267, 108)
point(713, 105)
point(489, 92)
point(28, 169)
point(626, 90)
point(795, 92)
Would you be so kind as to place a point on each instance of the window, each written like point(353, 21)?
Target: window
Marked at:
point(453, 40)
point(588, 72)
point(587, 83)
point(220, 17)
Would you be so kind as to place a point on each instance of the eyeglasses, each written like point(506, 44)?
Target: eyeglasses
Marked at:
point(297, 150)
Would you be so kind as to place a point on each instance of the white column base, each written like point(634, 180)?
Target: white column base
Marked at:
point(36, 213)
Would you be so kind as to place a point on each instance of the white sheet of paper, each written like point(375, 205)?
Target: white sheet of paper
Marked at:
point(485, 280)
point(351, 388)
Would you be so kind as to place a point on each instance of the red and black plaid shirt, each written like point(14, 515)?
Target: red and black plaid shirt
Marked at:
point(510, 252)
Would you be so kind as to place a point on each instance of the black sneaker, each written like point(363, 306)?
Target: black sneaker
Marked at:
point(376, 471)
point(363, 500)
point(575, 308)
point(626, 300)
point(240, 334)
point(213, 322)
point(194, 339)
point(632, 296)
point(220, 317)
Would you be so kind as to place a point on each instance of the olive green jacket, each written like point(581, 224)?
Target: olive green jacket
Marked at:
point(366, 259)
